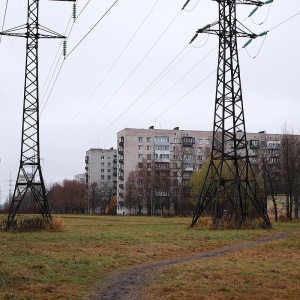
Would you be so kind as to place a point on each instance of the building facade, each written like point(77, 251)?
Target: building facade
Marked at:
point(80, 178)
point(170, 157)
point(101, 173)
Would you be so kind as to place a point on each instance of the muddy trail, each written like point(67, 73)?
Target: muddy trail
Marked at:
point(128, 284)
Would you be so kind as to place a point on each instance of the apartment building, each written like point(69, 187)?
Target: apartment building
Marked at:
point(173, 154)
point(101, 168)
point(80, 178)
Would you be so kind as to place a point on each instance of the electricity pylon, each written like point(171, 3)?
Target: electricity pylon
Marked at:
point(230, 186)
point(30, 176)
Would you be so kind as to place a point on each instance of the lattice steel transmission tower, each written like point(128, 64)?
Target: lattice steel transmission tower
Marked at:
point(230, 186)
point(30, 176)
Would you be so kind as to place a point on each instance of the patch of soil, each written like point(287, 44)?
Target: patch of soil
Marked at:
point(127, 285)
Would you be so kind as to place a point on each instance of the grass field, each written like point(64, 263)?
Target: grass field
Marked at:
point(69, 264)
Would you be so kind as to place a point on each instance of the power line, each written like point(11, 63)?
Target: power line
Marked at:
point(180, 79)
point(285, 21)
point(57, 54)
point(111, 68)
point(128, 77)
point(93, 27)
point(264, 34)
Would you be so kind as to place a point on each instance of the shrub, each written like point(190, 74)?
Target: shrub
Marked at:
point(56, 224)
point(230, 224)
point(33, 224)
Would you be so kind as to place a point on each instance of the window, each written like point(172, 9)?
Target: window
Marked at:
point(200, 141)
point(149, 139)
point(149, 165)
point(108, 177)
point(102, 156)
point(140, 156)
point(140, 165)
point(162, 139)
point(102, 164)
point(148, 147)
point(175, 157)
point(108, 164)
point(162, 147)
point(175, 148)
point(175, 140)
point(102, 170)
point(102, 177)
point(108, 170)
point(207, 141)
point(188, 157)
point(108, 157)
point(200, 149)
point(148, 156)
point(140, 139)
point(200, 157)
point(140, 147)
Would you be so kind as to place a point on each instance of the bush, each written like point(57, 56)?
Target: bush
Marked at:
point(56, 224)
point(230, 224)
point(33, 224)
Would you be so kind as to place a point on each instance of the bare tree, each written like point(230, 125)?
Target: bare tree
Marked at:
point(94, 196)
point(268, 166)
point(69, 196)
point(146, 186)
point(290, 159)
point(106, 195)
point(131, 192)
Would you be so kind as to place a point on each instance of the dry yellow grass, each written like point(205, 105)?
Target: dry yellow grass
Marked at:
point(69, 264)
point(270, 271)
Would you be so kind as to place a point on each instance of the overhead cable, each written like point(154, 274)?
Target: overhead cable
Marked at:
point(111, 68)
point(92, 28)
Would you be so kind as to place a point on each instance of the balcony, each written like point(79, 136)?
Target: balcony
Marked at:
point(120, 151)
point(121, 186)
point(188, 141)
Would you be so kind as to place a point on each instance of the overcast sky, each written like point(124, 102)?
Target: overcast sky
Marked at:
point(136, 69)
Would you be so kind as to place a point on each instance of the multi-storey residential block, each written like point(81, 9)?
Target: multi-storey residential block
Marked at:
point(170, 154)
point(173, 155)
point(101, 169)
point(80, 178)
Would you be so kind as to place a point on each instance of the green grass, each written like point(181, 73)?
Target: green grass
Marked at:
point(69, 264)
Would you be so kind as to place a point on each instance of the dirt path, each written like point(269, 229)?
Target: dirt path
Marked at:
point(127, 284)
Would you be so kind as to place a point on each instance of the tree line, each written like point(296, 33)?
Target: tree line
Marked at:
point(70, 197)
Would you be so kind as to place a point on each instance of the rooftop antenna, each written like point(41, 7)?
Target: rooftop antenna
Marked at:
point(30, 176)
